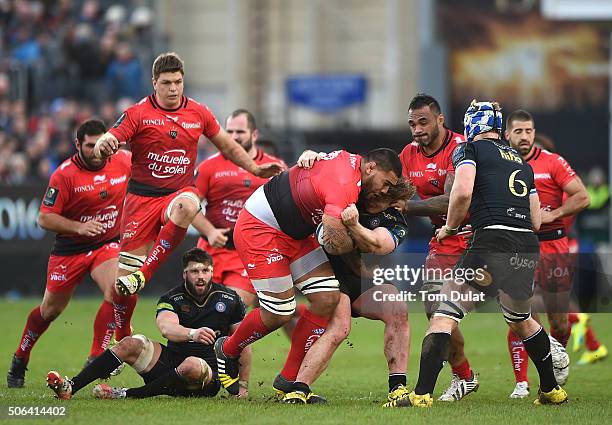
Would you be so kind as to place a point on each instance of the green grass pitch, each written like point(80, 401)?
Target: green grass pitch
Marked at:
point(355, 384)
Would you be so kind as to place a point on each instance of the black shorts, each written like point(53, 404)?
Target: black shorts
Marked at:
point(169, 360)
point(506, 259)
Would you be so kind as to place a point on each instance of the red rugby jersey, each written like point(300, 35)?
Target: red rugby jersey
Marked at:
point(82, 195)
point(226, 186)
point(163, 143)
point(428, 172)
point(551, 173)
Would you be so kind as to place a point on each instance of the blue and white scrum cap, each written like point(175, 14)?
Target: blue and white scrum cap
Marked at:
point(481, 117)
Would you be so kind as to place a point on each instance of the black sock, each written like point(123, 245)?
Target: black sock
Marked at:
point(396, 379)
point(300, 386)
point(433, 355)
point(170, 383)
point(101, 367)
point(538, 348)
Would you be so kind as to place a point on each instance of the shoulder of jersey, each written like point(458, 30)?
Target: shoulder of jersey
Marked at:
point(214, 157)
point(227, 291)
point(65, 167)
point(125, 156)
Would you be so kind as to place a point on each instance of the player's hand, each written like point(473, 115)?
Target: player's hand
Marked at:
point(547, 216)
point(106, 146)
point(442, 233)
point(269, 169)
point(350, 216)
point(243, 391)
point(307, 159)
point(218, 237)
point(90, 228)
point(204, 336)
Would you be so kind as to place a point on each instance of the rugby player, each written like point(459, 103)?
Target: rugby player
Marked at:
point(162, 130)
point(274, 238)
point(379, 229)
point(496, 185)
point(427, 163)
point(190, 316)
point(82, 205)
point(554, 179)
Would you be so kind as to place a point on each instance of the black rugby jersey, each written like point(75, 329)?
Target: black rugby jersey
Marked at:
point(221, 309)
point(502, 186)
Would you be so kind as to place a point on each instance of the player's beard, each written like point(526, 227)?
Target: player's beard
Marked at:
point(247, 144)
point(92, 162)
point(524, 150)
point(198, 292)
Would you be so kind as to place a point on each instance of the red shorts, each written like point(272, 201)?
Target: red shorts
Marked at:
point(227, 267)
point(144, 216)
point(556, 267)
point(66, 272)
point(273, 259)
point(444, 256)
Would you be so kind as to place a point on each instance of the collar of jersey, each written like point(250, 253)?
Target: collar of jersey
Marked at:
point(447, 139)
point(156, 105)
point(535, 152)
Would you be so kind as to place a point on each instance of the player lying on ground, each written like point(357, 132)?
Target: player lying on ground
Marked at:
point(500, 242)
point(83, 205)
point(191, 316)
point(378, 230)
point(274, 236)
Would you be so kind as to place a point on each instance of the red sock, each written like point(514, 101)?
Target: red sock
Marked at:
point(170, 236)
point(308, 329)
point(250, 330)
point(104, 328)
point(518, 356)
point(562, 338)
point(299, 310)
point(34, 328)
point(572, 318)
point(464, 371)
point(591, 340)
point(123, 308)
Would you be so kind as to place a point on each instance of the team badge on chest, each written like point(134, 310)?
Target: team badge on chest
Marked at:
point(173, 133)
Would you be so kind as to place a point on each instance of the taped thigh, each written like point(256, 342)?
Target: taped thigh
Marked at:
point(514, 311)
point(130, 262)
point(276, 305)
point(318, 284)
point(146, 355)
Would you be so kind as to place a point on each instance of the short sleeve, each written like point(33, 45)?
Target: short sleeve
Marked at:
point(340, 189)
point(465, 153)
point(165, 304)
point(126, 125)
point(563, 173)
point(56, 196)
point(211, 125)
point(531, 181)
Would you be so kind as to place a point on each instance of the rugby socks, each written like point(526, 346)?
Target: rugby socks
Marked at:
point(123, 308)
point(563, 337)
point(308, 329)
point(34, 328)
point(250, 330)
point(591, 341)
point(170, 383)
point(104, 328)
point(170, 236)
point(463, 370)
point(538, 347)
point(434, 353)
point(518, 356)
point(101, 367)
point(396, 379)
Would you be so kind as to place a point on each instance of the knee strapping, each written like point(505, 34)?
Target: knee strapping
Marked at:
point(318, 284)
point(130, 262)
point(513, 316)
point(276, 305)
point(146, 355)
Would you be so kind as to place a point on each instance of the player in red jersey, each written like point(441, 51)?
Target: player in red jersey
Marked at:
point(553, 178)
point(274, 238)
point(226, 187)
point(163, 130)
point(83, 205)
point(427, 163)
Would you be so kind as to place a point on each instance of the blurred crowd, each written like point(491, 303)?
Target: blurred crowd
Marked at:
point(60, 62)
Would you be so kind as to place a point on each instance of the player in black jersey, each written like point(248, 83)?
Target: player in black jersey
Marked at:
point(191, 316)
point(378, 229)
point(493, 181)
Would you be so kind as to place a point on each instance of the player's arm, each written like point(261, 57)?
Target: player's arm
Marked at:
point(434, 205)
point(244, 370)
point(236, 153)
point(377, 241)
point(534, 211)
point(106, 146)
point(308, 158)
point(59, 224)
point(170, 328)
point(334, 236)
point(577, 200)
point(216, 237)
point(460, 199)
